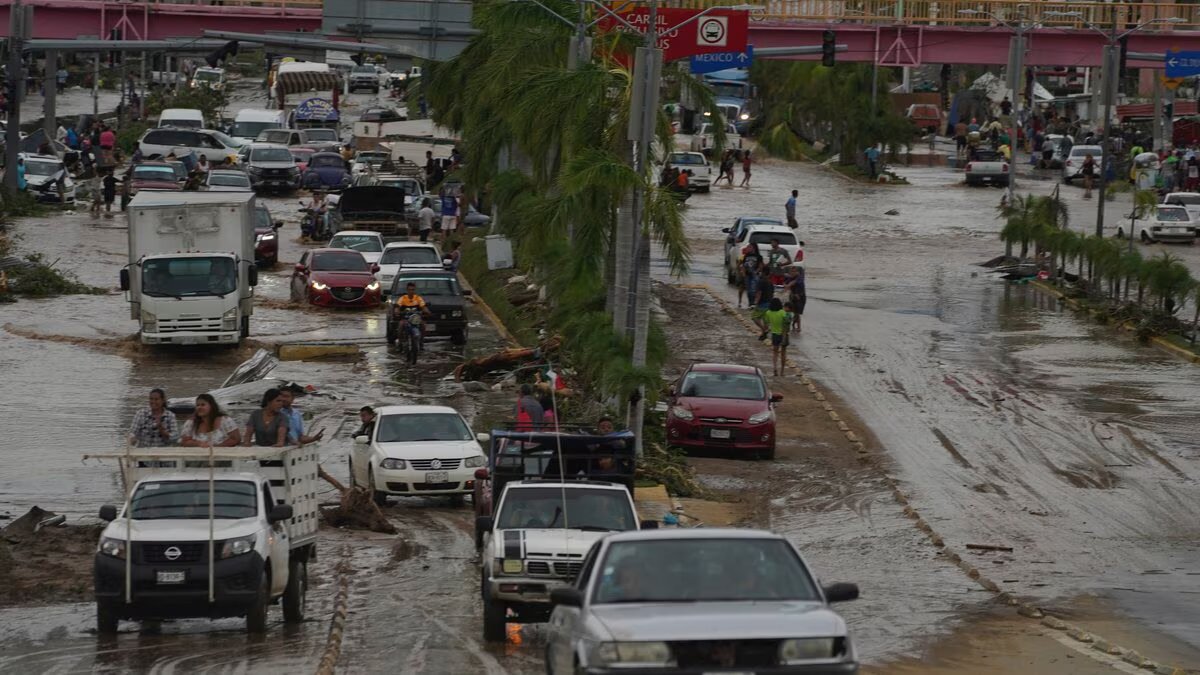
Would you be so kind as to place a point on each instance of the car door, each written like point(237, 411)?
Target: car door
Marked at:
point(300, 278)
point(360, 459)
point(566, 623)
point(278, 545)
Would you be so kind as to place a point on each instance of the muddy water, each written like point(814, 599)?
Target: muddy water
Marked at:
point(1009, 420)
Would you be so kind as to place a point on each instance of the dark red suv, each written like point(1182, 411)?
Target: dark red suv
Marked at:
point(721, 407)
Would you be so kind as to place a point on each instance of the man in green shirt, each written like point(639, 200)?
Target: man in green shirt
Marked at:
point(779, 322)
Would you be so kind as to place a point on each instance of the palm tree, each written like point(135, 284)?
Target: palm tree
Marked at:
point(1144, 203)
point(1169, 281)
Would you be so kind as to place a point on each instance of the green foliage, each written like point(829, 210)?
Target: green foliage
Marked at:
point(129, 135)
point(39, 280)
point(669, 467)
point(780, 141)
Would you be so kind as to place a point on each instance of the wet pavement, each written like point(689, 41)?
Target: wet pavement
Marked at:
point(1009, 420)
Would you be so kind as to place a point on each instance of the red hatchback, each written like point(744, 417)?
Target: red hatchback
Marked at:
point(336, 277)
point(722, 407)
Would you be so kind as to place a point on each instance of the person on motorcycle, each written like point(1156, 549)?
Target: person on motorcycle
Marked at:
point(314, 223)
point(410, 302)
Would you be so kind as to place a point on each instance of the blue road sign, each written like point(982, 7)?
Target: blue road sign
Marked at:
point(1179, 64)
point(711, 63)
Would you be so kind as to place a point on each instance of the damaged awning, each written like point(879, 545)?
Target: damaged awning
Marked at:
point(299, 82)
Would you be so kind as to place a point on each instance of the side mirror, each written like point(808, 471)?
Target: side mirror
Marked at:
point(125, 279)
point(840, 592)
point(361, 440)
point(279, 512)
point(300, 267)
point(484, 524)
point(481, 474)
point(483, 438)
point(468, 293)
point(253, 274)
point(776, 398)
point(725, 230)
point(374, 268)
point(108, 513)
point(568, 597)
point(277, 224)
point(649, 524)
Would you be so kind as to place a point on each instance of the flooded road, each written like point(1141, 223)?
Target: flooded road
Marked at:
point(1009, 420)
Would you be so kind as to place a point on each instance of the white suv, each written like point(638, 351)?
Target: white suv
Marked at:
point(536, 542)
point(417, 450)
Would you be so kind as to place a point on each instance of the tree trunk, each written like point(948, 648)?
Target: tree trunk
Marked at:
point(1196, 319)
point(623, 263)
point(641, 334)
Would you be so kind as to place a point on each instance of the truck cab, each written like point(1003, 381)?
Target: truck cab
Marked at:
point(198, 542)
point(536, 541)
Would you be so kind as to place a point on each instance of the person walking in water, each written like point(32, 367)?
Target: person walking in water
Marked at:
point(789, 208)
point(746, 162)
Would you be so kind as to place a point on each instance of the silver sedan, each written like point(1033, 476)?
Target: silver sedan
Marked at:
point(698, 601)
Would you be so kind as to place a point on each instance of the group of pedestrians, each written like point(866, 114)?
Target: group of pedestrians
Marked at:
point(276, 423)
point(729, 160)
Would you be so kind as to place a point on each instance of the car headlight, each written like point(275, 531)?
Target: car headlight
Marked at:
point(293, 171)
point(512, 566)
point(744, 116)
point(266, 237)
point(793, 652)
point(235, 547)
point(149, 322)
point(393, 464)
point(475, 462)
point(682, 413)
point(759, 418)
point(629, 654)
point(113, 547)
point(457, 312)
point(707, 113)
point(318, 286)
point(229, 319)
point(373, 286)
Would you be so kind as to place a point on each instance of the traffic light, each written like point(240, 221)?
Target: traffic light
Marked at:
point(828, 50)
point(228, 49)
point(357, 58)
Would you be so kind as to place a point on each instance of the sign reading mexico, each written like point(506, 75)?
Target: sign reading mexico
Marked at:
point(718, 31)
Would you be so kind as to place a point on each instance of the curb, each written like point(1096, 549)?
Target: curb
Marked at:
point(337, 625)
point(1165, 345)
point(304, 352)
point(484, 307)
point(1023, 609)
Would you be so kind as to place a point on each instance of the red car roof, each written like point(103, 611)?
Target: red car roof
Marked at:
point(723, 368)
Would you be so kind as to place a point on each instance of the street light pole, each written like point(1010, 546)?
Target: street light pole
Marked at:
point(16, 91)
point(1017, 62)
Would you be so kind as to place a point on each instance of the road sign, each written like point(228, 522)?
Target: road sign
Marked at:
point(711, 63)
point(718, 31)
point(1172, 83)
point(1182, 64)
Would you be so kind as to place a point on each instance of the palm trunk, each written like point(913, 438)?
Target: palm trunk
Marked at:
point(641, 334)
point(1141, 292)
point(1196, 319)
point(623, 263)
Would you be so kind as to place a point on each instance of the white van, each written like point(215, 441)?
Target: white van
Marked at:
point(249, 123)
point(182, 118)
point(214, 145)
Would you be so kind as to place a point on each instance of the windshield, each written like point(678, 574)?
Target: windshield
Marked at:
point(207, 76)
point(702, 570)
point(1177, 215)
point(226, 140)
point(270, 155)
point(410, 255)
point(321, 134)
point(357, 242)
point(372, 157)
point(687, 158)
point(189, 499)
point(229, 179)
point(301, 155)
point(252, 129)
point(702, 384)
point(410, 186)
point(262, 217)
point(177, 277)
point(542, 507)
point(422, 427)
point(364, 69)
point(729, 89)
point(324, 161)
point(35, 168)
point(181, 123)
point(333, 261)
point(1078, 151)
point(785, 238)
point(427, 287)
point(164, 173)
point(1189, 200)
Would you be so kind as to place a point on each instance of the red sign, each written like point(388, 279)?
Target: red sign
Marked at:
point(718, 31)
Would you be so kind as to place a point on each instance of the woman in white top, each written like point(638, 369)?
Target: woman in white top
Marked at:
point(210, 427)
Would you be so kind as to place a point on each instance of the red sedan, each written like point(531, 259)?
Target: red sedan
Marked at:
point(153, 176)
point(336, 277)
point(722, 407)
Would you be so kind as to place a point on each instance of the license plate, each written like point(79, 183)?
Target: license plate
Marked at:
point(430, 327)
point(171, 577)
point(437, 477)
point(720, 433)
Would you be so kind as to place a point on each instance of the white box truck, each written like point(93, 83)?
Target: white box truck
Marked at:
point(208, 532)
point(191, 275)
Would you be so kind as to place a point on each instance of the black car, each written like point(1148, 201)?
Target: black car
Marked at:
point(443, 296)
point(381, 115)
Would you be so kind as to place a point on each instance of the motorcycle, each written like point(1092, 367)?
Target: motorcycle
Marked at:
point(412, 334)
point(314, 224)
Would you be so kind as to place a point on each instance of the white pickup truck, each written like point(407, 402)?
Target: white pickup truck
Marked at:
point(536, 540)
point(987, 166)
point(208, 533)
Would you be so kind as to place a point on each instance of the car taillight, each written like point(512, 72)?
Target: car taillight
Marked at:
point(1004, 168)
point(967, 167)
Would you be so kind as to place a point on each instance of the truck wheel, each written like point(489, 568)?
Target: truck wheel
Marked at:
point(106, 618)
point(245, 327)
point(1146, 238)
point(494, 618)
point(256, 616)
point(296, 592)
point(380, 498)
point(459, 337)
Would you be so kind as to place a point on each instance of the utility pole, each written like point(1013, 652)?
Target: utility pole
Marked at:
point(16, 92)
point(96, 86)
point(1111, 82)
point(50, 97)
point(1018, 63)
